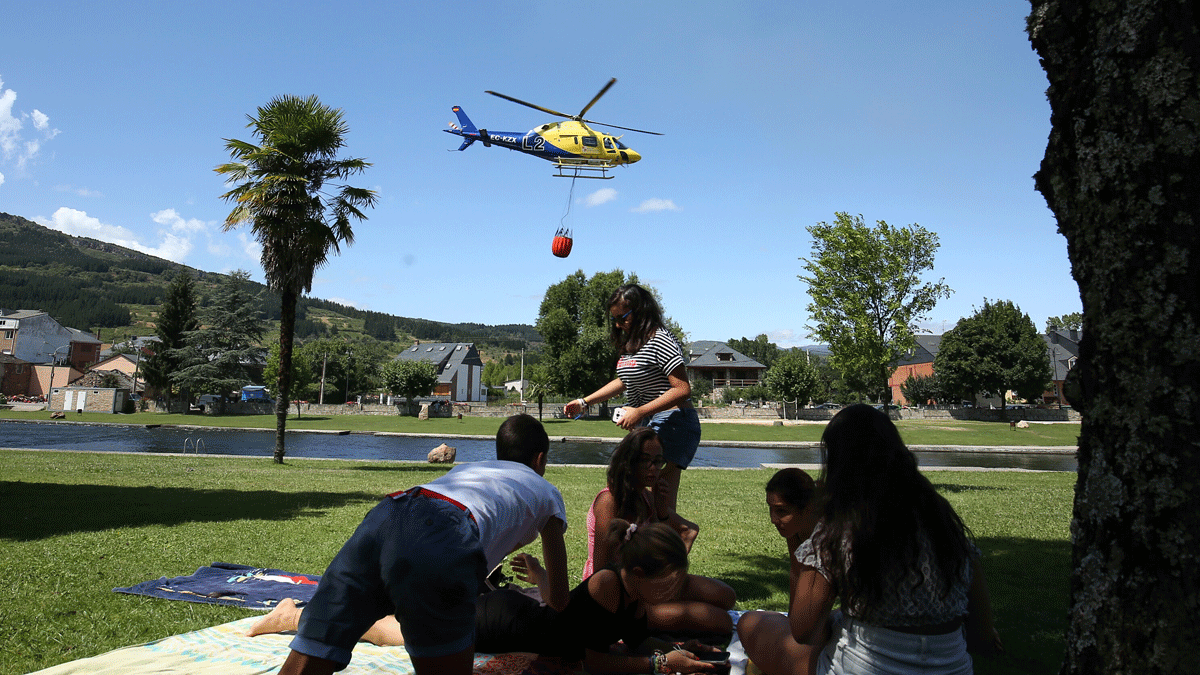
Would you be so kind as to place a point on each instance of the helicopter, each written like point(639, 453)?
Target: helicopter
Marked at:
point(577, 150)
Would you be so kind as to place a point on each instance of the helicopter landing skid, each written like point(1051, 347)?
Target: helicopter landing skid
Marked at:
point(583, 169)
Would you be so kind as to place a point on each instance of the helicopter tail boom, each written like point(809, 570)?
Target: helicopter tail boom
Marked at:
point(468, 130)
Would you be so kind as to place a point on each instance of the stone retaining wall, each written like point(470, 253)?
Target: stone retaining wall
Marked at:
point(554, 411)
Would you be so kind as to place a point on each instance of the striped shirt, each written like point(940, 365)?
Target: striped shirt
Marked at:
point(644, 373)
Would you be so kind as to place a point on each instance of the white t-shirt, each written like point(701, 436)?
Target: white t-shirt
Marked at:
point(511, 503)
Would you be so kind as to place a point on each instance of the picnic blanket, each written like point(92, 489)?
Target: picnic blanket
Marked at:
point(230, 584)
point(225, 650)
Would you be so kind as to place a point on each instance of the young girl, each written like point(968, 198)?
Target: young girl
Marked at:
point(651, 372)
point(766, 636)
point(633, 475)
point(896, 555)
point(610, 606)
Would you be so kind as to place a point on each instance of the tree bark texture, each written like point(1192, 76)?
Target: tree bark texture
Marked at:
point(1122, 176)
point(283, 396)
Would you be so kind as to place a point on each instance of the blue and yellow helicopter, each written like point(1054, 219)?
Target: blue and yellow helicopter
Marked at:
point(577, 150)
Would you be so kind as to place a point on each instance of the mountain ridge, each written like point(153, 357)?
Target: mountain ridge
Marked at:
point(87, 284)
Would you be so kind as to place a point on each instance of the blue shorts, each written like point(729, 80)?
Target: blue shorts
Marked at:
point(413, 556)
point(679, 433)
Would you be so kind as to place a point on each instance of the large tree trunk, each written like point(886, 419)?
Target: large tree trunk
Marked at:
point(283, 395)
point(1122, 175)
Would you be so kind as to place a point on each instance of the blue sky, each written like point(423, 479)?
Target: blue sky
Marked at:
point(775, 115)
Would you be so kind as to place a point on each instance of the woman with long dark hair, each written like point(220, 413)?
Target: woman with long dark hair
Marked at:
point(633, 475)
point(897, 556)
point(651, 372)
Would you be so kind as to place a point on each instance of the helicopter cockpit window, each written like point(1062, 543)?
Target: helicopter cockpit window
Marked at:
point(608, 143)
point(620, 145)
point(589, 141)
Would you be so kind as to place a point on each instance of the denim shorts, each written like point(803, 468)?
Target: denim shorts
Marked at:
point(862, 649)
point(413, 556)
point(679, 433)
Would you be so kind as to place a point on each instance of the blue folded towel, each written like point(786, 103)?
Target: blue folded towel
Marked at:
point(229, 584)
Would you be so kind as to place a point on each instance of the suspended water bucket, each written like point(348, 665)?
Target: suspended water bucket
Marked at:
point(561, 246)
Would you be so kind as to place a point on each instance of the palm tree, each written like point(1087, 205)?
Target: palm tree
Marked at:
point(280, 190)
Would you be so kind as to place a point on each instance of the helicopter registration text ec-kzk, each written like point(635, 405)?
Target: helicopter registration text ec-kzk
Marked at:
point(577, 150)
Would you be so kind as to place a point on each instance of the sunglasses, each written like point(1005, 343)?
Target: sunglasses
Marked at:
point(619, 319)
point(656, 461)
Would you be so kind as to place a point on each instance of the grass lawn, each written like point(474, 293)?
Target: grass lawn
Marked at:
point(915, 432)
point(76, 525)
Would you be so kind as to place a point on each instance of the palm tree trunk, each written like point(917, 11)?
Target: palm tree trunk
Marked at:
point(287, 327)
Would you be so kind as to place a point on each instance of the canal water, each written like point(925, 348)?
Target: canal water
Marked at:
point(370, 446)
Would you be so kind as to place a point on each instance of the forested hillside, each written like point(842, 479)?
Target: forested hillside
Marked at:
point(88, 284)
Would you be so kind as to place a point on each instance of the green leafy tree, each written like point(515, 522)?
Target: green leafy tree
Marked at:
point(793, 378)
point(574, 322)
point(288, 190)
point(304, 373)
point(493, 374)
point(919, 389)
point(1072, 321)
point(759, 349)
point(176, 317)
point(539, 386)
point(868, 295)
point(409, 379)
point(996, 349)
point(218, 356)
point(702, 388)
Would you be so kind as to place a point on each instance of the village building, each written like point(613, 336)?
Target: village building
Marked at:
point(459, 369)
point(722, 366)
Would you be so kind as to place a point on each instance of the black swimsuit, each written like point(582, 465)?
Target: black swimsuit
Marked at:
point(510, 621)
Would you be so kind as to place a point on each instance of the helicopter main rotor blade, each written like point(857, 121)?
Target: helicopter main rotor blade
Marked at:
point(615, 126)
point(530, 105)
point(596, 98)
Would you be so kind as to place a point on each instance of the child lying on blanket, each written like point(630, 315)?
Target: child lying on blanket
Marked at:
point(609, 606)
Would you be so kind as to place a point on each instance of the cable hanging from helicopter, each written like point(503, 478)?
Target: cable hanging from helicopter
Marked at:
point(576, 149)
point(562, 242)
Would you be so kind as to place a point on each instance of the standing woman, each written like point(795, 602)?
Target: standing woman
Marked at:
point(651, 373)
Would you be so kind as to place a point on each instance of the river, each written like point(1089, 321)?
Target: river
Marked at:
point(372, 446)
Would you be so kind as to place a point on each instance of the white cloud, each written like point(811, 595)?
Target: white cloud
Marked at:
point(177, 222)
point(344, 301)
point(80, 224)
point(651, 205)
point(1, 179)
point(250, 247)
point(10, 127)
point(601, 196)
point(12, 142)
point(81, 191)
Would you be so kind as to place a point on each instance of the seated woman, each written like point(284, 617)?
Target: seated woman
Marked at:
point(633, 472)
point(610, 606)
point(896, 555)
point(766, 636)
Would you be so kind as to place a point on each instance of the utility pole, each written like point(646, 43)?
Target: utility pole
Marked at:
point(321, 396)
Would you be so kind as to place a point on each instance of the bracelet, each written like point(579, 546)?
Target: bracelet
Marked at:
point(658, 662)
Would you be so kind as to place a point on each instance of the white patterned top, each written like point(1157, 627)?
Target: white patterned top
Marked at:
point(916, 599)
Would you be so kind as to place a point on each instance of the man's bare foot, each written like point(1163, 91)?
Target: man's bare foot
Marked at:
point(285, 617)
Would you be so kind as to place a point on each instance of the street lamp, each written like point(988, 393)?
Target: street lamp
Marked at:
point(53, 366)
